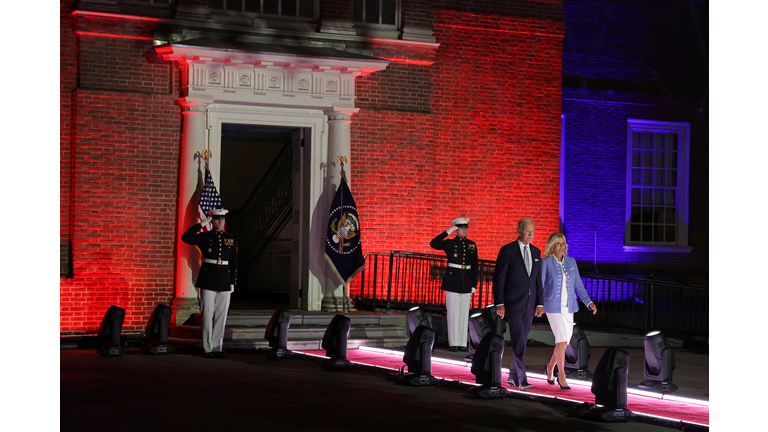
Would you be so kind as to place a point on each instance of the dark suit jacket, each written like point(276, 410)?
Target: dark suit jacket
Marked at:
point(463, 252)
point(214, 245)
point(511, 284)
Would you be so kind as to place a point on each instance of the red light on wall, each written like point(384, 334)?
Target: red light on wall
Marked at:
point(82, 33)
point(409, 61)
point(109, 15)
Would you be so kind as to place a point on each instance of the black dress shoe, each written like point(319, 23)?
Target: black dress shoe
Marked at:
point(513, 382)
point(453, 349)
point(525, 386)
point(219, 354)
point(463, 348)
point(210, 355)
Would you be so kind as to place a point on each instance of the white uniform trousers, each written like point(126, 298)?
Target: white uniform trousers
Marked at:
point(457, 305)
point(214, 312)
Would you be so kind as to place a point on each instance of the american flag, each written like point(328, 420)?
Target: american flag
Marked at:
point(209, 199)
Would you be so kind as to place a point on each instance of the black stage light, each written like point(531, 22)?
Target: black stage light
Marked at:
point(482, 321)
point(109, 332)
point(156, 334)
point(418, 358)
point(417, 317)
point(497, 323)
point(609, 385)
point(335, 342)
point(486, 366)
point(277, 334)
point(577, 354)
point(658, 364)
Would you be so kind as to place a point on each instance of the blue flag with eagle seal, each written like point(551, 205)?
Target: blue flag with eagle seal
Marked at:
point(342, 247)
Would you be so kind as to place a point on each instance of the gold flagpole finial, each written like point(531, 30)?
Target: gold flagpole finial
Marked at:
point(206, 154)
point(342, 160)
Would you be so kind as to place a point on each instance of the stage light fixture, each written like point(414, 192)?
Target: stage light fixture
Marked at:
point(497, 323)
point(609, 385)
point(416, 317)
point(418, 358)
point(577, 354)
point(335, 342)
point(486, 366)
point(156, 334)
point(482, 321)
point(277, 334)
point(109, 332)
point(658, 364)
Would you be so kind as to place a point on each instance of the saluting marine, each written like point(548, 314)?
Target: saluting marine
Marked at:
point(217, 277)
point(459, 280)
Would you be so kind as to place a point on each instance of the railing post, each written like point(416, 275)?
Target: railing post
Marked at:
point(389, 283)
point(480, 286)
point(375, 274)
point(651, 305)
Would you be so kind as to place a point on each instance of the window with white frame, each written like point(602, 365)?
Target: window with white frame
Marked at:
point(282, 8)
point(383, 12)
point(657, 186)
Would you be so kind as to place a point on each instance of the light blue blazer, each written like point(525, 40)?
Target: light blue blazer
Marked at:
point(552, 279)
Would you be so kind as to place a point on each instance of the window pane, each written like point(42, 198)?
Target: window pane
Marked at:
point(388, 9)
point(672, 178)
point(357, 10)
point(372, 11)
point(307, 8)
point(648, 159)
point(648, 141)
point(637, 158)
point(270, 7)
point(661, 141)
point(634, 232)
point(647, 196)
point(670, 216)
point(251, 5)
point(672, 142)
point(637, 177)
point(647, 232)
point(635, 196)
point(661, 160)
point(646, 215)
point(635, 217)
point(648, 177)
point(658, 233)
point(669, 234)
point(659, 177)
point(235, 5)
point(637, 140)
point(658, 197)
point(288, 8)
point(671, 195)
point(216, 4)
point(672, 160)
point(658, 215)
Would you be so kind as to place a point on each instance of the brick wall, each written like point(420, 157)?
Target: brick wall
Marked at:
point(642, 60)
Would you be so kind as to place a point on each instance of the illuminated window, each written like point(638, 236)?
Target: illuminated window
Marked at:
point(283, 8)
point(657, 185)
point(384, 12)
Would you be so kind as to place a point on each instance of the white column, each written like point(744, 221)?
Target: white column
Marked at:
point(339, 125)
point(191, 178)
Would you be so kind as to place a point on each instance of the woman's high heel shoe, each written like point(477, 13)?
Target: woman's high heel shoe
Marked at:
point(562, 387)
point(550, 382)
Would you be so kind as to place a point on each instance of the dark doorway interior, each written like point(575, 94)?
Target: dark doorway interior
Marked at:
point(257, 188)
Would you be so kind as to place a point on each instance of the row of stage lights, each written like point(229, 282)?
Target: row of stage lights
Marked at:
point(486, 329)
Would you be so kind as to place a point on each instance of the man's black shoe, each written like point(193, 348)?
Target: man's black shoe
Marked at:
point(513, 382)
point(219, 354)
point(210, 355)
point(525, 386)
point(463, 348)
point(453, 349)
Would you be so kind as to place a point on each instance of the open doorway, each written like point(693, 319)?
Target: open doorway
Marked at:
point(257, 187)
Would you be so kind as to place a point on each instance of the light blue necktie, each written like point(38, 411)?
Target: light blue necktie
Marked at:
point(526, 260)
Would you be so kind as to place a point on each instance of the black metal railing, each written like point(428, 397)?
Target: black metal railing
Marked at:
point(399, 280)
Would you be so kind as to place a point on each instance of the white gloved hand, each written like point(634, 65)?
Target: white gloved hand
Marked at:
point(206, 221)
point(473, 290)
point(451, 229)
point(233, 288)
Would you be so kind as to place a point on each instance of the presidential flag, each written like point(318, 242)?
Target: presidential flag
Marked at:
point(342, 248)
point(209, 199)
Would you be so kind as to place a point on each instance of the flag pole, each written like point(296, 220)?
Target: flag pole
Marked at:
point(342, 160)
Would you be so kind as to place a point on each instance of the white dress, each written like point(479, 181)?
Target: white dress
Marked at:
point(562, 323)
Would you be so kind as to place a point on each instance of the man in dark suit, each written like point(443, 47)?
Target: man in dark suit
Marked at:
point(517, 293)
point(459, 280)
point(216, 279)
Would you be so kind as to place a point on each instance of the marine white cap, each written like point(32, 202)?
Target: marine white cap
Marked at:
point(217, 212)
point(460, 221)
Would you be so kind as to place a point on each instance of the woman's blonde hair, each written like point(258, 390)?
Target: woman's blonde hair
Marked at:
point(551, 241)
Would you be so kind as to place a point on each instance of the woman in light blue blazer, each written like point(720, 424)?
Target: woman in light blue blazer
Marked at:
point(561, 280)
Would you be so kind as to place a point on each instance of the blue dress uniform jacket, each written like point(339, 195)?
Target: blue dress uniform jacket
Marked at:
point(552, 279)
point(460, 252)
point(214, 245)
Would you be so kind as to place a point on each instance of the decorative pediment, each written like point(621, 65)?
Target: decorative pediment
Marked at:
point(269, 74)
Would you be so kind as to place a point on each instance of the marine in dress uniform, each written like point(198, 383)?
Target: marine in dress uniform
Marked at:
point(217, 277)
point(459, 280)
